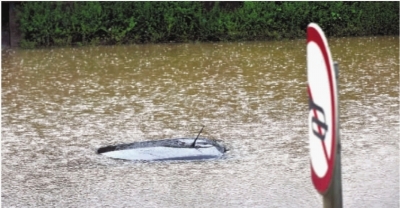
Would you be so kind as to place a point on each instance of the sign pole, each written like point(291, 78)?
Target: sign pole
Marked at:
point(333, 198)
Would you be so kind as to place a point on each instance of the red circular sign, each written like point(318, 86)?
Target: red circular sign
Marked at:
point(323, 108)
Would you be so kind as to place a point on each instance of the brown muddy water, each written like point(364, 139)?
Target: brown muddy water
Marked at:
point(60, 105)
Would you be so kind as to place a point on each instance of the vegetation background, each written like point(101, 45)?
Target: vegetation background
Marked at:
point(82, 23)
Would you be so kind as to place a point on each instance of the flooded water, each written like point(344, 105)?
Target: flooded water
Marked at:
point(60, 105)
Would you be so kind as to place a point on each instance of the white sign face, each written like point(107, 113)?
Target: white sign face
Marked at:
point(322, 117)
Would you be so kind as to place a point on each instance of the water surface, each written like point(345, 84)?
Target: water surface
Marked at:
point(60, 105)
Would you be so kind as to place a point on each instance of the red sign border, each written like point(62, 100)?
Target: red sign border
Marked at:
point(314, 35)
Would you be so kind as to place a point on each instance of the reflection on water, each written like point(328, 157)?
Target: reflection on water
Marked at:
point(60, 105)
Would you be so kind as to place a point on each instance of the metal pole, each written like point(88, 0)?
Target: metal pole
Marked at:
point(333, 198)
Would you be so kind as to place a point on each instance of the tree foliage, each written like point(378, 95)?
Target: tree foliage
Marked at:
point(77, 23)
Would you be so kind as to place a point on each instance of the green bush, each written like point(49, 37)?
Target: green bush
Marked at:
point(82, 23)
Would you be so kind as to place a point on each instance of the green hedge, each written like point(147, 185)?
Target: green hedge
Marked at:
point(77, 23)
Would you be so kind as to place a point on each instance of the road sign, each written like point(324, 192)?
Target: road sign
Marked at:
point(323, 110)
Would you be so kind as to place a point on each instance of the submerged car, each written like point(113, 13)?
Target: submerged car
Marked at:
point(167, 149)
